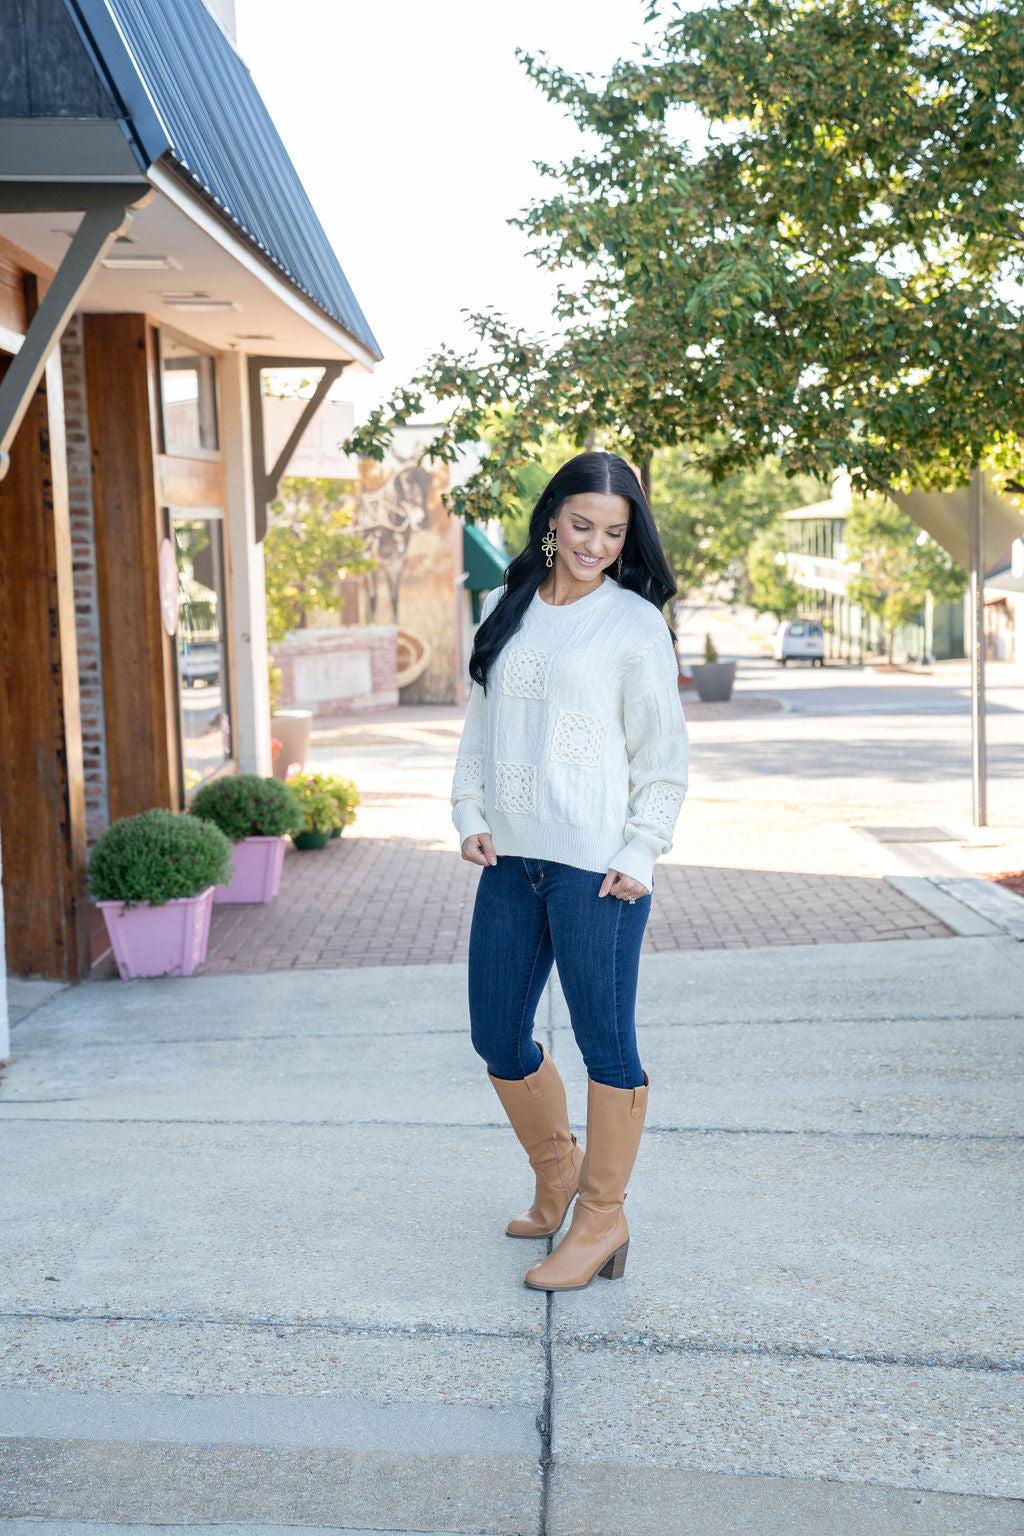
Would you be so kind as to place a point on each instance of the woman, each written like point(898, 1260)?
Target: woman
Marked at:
point(569, 778)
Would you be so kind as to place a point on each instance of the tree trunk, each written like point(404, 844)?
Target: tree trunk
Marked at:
point(645, 474)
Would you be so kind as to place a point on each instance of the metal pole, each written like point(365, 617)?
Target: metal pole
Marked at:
point(979, 797)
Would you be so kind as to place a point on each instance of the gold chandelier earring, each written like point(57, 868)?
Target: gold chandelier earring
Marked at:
point(620, 567)
point(549, 544)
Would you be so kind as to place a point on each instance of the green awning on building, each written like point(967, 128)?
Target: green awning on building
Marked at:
point(485, 564)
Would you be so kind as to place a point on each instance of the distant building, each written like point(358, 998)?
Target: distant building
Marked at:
point(817, 560)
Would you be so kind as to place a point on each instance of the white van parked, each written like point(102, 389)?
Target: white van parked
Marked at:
point(799, 640)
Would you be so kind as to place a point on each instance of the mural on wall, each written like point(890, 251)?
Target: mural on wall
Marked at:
point(418, 547)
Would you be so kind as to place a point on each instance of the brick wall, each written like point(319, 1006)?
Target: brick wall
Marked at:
point(83, 554)
point(338, 671)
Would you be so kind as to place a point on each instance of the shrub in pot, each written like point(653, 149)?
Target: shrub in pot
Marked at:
point(713, 679)
point(347, 796)
point(319, 810)
point(255, 813)
point(153, 877)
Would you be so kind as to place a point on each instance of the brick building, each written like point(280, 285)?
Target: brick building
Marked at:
point(157, 251)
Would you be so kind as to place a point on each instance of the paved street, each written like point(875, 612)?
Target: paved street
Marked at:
point(258, 1276)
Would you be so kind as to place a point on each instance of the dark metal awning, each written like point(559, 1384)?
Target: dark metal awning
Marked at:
point(188, 104)
point(485, 565)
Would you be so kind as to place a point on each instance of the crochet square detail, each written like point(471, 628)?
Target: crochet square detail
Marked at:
point(515, 786)
point(576, 738)
point(469, 774)
point(663, 805)
point(526, 672)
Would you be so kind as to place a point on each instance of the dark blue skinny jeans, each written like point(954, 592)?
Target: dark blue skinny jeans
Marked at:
point(529, 914)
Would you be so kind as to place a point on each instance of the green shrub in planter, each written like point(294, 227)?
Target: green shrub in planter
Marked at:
point(156, 857)
point(318, 807)
point(247, 806)
point(344, 792)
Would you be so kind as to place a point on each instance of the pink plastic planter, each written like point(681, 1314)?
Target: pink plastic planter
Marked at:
point(159, 941)
point(257, 875)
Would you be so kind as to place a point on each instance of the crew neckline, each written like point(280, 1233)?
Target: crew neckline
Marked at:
point(577, 602)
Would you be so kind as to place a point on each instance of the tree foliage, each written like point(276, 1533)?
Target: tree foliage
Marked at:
point(899, 565)
point(707, 526)
point(828, 279)
point(768, 586)
point(309, 547)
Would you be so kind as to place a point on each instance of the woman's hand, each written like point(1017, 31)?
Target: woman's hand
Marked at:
point(618, 885)
point(479, 849)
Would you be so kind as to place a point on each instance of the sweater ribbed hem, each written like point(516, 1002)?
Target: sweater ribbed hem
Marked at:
point(580, 847)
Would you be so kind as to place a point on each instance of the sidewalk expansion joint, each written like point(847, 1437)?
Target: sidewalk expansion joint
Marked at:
point(133, 1042)
point(281, 1325)
point(621, 1342)
point(544, 1417)
point(649, 1344)
point(491, 1125)
point(827, 1135)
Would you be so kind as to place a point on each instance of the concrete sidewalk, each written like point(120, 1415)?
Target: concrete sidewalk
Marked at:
point(257, 1277)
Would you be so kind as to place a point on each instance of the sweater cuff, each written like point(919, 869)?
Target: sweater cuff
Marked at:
point(469, 820)
point(636, 860)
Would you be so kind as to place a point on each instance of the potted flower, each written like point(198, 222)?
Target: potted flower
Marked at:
point(347, 796)
point(153, 877)
point(255, 813)
point(319, 811)
point(713, 679)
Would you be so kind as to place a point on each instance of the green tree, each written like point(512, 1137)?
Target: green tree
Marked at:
point(828, 280)
point(707, 526)
point(309, 547)
point(768, 587)
point(899, 566)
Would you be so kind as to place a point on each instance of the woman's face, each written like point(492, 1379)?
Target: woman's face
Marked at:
point(590, 530)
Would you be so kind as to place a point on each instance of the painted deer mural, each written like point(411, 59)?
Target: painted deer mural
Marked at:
point(387, 518)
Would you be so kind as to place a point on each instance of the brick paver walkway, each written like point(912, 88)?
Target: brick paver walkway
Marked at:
point(394, 890)
point(377, 901)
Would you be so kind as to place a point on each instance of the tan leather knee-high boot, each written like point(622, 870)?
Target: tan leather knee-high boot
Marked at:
point(537, 1111)
point(598, 1237)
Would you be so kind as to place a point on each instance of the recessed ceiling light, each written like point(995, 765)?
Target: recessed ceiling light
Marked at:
point(137, 261)
point(253, 336)
point(197, 301)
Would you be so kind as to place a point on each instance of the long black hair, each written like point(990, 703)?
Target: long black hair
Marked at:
point(644, 567)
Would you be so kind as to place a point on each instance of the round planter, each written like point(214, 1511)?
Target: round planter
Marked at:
point(257, 875)
point(310, 840)
point(335, 832)
point(713, 680)
point(292, 728)
point(159, 941)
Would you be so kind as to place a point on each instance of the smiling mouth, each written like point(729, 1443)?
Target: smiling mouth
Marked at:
point(584, 560)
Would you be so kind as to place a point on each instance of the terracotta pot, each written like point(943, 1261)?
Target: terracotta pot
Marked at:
point(159, 941)
point(310, 840)
point(257, 875)
point(292, 728)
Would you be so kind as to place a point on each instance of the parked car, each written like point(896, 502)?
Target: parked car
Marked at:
point(799, 640)
point(200, 661)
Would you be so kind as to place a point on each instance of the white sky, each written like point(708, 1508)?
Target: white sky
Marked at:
point(415, 129)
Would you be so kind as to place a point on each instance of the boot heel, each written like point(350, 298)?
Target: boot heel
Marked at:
point(616, 1265)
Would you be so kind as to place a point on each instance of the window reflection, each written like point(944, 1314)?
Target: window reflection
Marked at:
point(202, 648)
point(188, 391)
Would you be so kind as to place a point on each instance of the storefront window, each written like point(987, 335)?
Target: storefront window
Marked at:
point(203, 675)
point(188, 395)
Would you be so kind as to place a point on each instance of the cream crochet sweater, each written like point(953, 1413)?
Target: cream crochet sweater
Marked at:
point(577, 751)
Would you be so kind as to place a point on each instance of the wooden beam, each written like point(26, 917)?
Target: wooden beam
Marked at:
point(138, 678)
point(267, 482)
point(42, 808)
